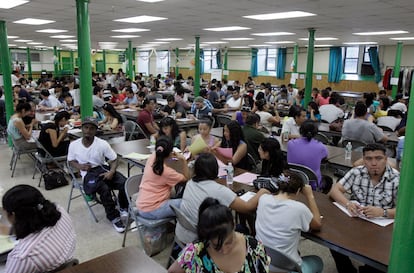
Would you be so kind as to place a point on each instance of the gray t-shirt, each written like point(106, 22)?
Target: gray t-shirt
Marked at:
point(279, 224)
point(194, 195)
point(362, 130)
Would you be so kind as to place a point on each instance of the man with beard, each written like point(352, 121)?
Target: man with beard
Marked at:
point(374, 185)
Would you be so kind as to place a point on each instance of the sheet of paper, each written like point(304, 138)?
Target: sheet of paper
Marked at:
point(378, 221)
point(198, 146)
point(137, 156)
point(184, 119)
point(6, 243)
point(74, 131)
point(247, 196)
point(246, 178)
point(222, 168)
point(129, 110)
point(227, 152)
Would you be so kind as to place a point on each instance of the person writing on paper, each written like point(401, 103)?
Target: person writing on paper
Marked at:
point(281, 219)
point(169, 128)
point(203, 185)
point(220, 248)
point(20, 132)
point(374, 186)
point(233, 138)
point(112, 120)
point(204, 129)
point(154, 201)
point(52, 136)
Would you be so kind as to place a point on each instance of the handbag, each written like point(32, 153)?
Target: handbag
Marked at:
point(268, 183)
point(93, 179)
point(54, 179)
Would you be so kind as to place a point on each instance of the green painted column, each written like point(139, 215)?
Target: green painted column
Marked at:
point(29, 62)
point(130, 59)
point(309, 67)
point(6, 68)
point(84, 57)
point(225, 63)
point(72, 68)
point(177, 69)
point(397, 66)
point(55, 62)
point(59, 61)
point(104, 60)
point(295, 60)
point(197, 67)
point(134, 63)
point(402, 247)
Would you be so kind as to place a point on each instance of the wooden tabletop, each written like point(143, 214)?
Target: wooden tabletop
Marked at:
point(124, 260)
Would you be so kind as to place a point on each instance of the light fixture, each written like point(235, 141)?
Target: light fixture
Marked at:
point(130, 30)
point(382, 32)
point(125, 36)
point(35, 43)
point(51, 30)
point(237, 39)
point(360, 43)
point(33, 21)
point(239, 47)
point(12, 45)
point(62, 36)
point(403, 38)
point(280, 15)
point(259, 45)
point(280, 42)
point(150, 1)
point(23, 41)
point(8, 4)
point(148, 45)
point(160, 42)
point(231, 28)
point(140, 19)
point(273, 33)
point(12, 37)
point(169, 39)
point(216, 42)
point(320, 39)
point(68, 41)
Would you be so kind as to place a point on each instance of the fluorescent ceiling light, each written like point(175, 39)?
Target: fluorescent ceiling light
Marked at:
point(150, 1)
point(68, 41)
point(51, 30)
point(360, 43)
point(280, 15)
point(258, 45)
point(160, 42)
point(273, 34)
point(23, 41)
point(169, 39)
point(148, 45)
point(12, 37)
point(8, 4)
point(33, 21)
point(280, 42)
point(403, 38)
point(239, 47)
point(35, 43)
point(216, 42)
point(140, 19)
point(130, 30)
point(22, 47)
point(237, 39)
point(39, 46)
point(108, 43)
point(231, 28)
point(62, 36)
point(12, 45)
point(382, 32)
point(125, 36)
point(320, 39)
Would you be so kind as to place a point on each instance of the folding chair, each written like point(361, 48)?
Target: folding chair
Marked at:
point(131, 190)
point(42, 161)
point(253, 163)
point(133, 130)
point(223, 120)
point(17, 151)
point(306, 172)
point(323, 138)
point(280, 262)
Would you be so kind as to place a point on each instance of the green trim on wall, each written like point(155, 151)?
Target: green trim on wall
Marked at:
point(352, 77)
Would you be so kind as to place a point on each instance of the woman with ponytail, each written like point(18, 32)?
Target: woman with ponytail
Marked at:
point(308, 151)
point(154, 201)
point(45, 231)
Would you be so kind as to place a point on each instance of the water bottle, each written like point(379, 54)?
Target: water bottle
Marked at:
point(230, 172)
point(152, 144)
point(173, 113)
point(348, 151)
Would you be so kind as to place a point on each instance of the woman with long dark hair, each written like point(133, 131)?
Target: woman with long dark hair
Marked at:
point(272, 158)
point(16, 128)
point(154, 201)
point(45, 231)
point(112, 120)
point(52, 136)
point(169, 127)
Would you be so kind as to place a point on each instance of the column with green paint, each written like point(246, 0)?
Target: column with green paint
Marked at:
point(225, 63)
point(72, 67)
point(177, 69)
point(197, 67)
point(6, 68)
point(309, 66)
point(84, 56)
point(29, 62)
point(397, 67)
point(104, 60)
point(295, 60)
point(55, 62)
point(130, 59)
point(134, 64)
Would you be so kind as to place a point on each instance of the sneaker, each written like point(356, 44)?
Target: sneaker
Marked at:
point(119, 226)
point(123, 213)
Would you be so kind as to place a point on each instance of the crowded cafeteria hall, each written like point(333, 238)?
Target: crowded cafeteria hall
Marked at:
point(186, 136)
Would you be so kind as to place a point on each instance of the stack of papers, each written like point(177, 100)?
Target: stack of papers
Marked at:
point(381, 221)
point(137, 156)
point(198, 146)
point(246, 178)
point(226, 152)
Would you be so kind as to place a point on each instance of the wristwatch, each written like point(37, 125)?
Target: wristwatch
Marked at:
point(385, 213)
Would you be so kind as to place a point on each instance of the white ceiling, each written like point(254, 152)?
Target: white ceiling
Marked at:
point(187, 18)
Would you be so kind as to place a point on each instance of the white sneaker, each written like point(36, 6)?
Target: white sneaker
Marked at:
point(118, 225)
point(123, 213)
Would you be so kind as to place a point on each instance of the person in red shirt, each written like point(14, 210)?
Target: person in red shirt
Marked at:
point(117, 98)
point(145, 117)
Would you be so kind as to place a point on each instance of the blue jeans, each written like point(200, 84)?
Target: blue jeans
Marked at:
point(164, 211)
point(312, 264)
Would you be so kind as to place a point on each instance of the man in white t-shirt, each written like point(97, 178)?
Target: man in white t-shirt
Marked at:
point(297, 115)
point(235, 102)
point(88, 154)
point(331, 112)
point(110, 77)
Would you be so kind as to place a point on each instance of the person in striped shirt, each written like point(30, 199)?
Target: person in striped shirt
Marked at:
point(44, 230)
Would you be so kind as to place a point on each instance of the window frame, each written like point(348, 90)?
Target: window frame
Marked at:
point(351, 58)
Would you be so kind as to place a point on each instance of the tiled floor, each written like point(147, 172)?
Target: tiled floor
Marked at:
point(95, 239)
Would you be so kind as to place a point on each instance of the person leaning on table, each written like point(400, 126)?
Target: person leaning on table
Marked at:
point(374, 185)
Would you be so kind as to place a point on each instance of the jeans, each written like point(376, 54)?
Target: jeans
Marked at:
point(312, 264)
point(164, 211)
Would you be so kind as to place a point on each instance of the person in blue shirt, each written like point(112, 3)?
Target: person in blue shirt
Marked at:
point(313, 112)
point(130, 99)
